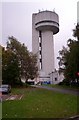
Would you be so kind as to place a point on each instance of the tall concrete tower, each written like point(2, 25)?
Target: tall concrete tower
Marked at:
point(44, 25)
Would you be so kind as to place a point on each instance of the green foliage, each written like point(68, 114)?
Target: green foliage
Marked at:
point(76, 31)
point(69, 59)
point(32, 68)
point(10, 67)
point(0, 51)
point(72, 66)
point(0, 64)
point(18, 62)
point(28, 61)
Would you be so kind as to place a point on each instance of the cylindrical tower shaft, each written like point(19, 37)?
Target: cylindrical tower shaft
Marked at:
point(47, 51)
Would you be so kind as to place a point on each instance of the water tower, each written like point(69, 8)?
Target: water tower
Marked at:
point(45, 24)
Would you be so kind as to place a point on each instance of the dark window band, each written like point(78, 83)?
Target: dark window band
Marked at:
point(47, 21)
point(40, 60)
point(39, 44)
point(40, 52)
point(39, 33)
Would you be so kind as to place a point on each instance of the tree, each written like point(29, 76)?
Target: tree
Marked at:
point(10, 67)
point(32, 71)
point(76, 31)
point(69, 60)
point(27, 62)
point(0, 64)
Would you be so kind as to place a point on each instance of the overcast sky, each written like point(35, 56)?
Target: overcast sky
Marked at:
point(17, 20)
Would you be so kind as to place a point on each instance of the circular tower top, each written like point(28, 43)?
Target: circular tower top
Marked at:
point(47, 20)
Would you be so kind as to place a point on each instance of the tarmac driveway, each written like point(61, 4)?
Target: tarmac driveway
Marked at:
point(62, 90)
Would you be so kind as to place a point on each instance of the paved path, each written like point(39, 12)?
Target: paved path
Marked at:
point(11, 97)
point(62, 90)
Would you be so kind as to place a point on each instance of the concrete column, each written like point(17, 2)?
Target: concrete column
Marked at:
point(47, 51)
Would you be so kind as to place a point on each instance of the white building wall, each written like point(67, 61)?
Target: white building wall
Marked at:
point(35, 39)
point(35, 36)
point(56, 78)
point(47, 52)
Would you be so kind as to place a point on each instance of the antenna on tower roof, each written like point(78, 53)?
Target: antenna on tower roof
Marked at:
point(42, 9)
point(39, 10)
point(54, 10)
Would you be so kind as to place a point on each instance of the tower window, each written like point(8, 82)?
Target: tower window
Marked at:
point(40, 60)
point(40, 52)
point(40, 44)
point(39, 33)
point(55, 79)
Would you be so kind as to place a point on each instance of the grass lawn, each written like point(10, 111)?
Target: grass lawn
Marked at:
point(40, 103)
point(0, 110)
